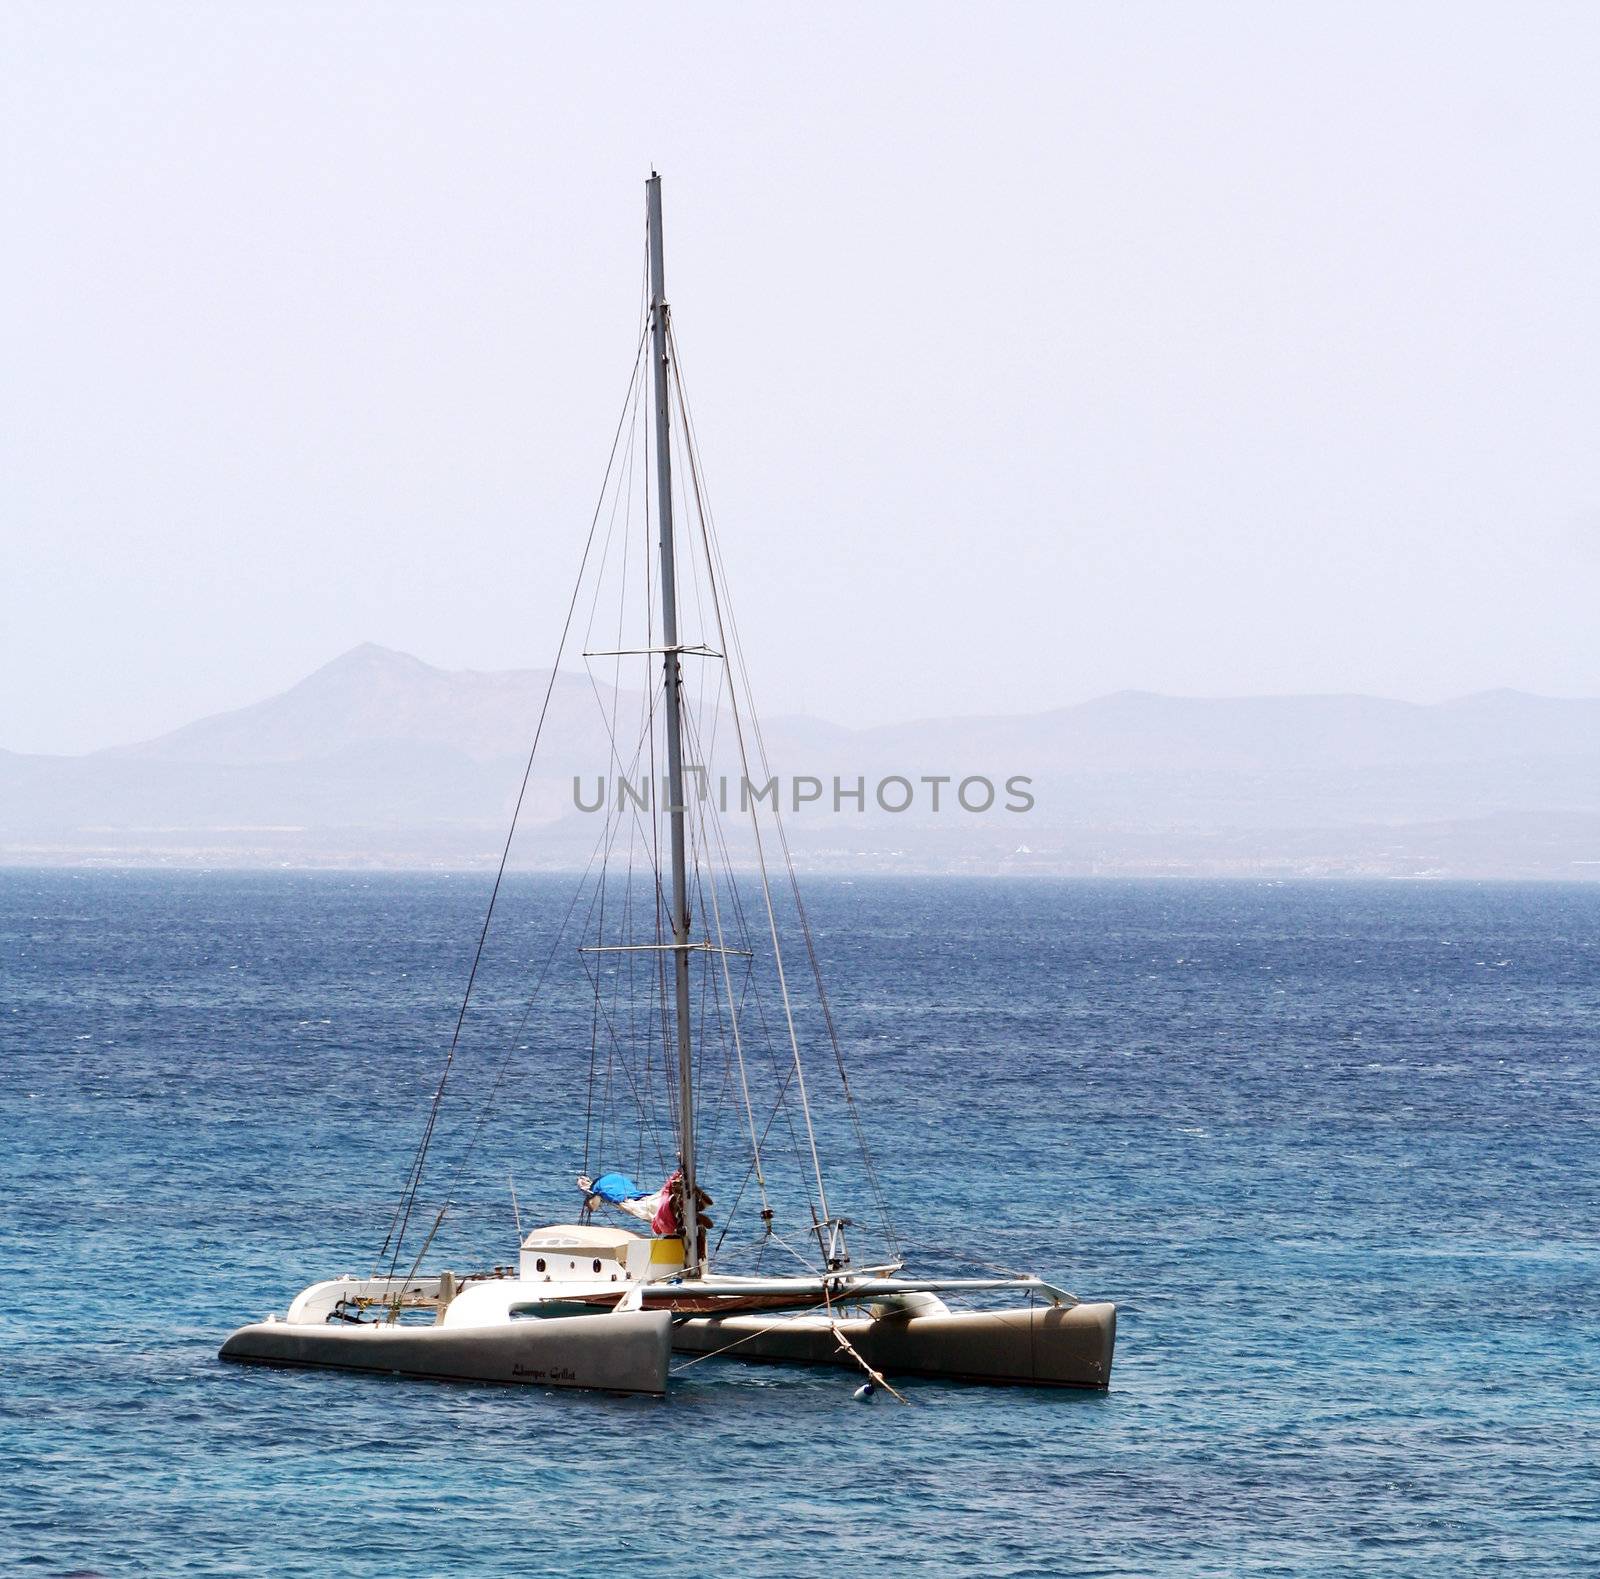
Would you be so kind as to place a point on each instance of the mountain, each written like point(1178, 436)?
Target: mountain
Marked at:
point(375, 699)
point(380, 759)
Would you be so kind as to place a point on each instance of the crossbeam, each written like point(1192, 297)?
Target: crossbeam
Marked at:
point(660, 948)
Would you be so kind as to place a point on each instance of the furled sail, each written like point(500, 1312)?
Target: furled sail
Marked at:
point(662, 1209)
point(619, 1190)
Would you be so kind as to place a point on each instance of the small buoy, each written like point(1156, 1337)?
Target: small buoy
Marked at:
point(863, 1394)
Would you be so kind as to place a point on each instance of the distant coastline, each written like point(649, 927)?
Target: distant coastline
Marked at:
point(381, 762)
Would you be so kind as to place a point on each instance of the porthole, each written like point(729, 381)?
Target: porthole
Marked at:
point(597, 1266)
point(538, 1265)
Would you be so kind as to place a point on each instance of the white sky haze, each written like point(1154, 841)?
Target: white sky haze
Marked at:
point(1035, 351)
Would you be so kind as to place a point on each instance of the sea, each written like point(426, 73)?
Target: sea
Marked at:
point(1331, 1147)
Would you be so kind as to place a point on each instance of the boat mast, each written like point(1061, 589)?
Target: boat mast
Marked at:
point(672, 673)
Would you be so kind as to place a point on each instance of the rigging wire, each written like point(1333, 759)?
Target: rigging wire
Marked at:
point(783, 1074)
point(738, 1042)
point(404, 1209)
point(499, 1078)
point(755, 819)
point(735, 653)
point(624, 500)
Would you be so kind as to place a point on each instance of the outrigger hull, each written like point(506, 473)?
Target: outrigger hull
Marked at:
point(1053, 1346)
point(625, 1353)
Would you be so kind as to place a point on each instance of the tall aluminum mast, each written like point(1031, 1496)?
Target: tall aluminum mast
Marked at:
point(673, 676)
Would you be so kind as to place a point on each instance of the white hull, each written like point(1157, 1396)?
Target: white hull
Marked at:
point(625, 1353)
point(1054, 1346)
point(603, 1308)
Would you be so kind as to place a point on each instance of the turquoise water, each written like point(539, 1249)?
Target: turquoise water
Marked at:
point(1331, 1148)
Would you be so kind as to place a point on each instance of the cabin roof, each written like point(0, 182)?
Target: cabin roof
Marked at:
point(590, 1234)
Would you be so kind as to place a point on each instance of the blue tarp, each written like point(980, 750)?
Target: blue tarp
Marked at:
point(617, 1187)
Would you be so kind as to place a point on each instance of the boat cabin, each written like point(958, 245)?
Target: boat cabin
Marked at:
point(589, 1253)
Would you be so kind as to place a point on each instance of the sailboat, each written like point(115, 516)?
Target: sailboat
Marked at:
point(687, 964)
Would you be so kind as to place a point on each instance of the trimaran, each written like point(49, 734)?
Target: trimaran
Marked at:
point(594, 1304)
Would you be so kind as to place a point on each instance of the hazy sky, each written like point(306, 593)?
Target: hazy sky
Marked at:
point(1036, 351)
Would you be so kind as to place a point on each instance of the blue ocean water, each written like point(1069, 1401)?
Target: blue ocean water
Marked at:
point(1332, 1148)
